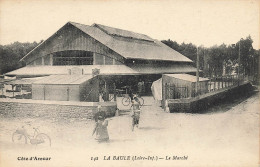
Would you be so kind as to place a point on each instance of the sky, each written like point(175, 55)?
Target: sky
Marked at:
point(201, 22)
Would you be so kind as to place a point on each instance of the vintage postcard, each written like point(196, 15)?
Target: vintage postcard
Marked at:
point(129, 83)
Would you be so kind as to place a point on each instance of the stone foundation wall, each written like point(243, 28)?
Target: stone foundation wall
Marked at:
point(49, 109)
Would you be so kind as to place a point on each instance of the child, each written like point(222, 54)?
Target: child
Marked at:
point(101, 128)
point(135, 112)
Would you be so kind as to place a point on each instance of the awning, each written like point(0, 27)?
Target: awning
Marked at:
point(136, 69)
point(163, 69)
point(64, 79)
point(65, 70)
point(187, 77)
point(23, 81)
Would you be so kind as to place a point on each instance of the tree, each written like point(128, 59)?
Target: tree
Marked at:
point(246, 52)
point(223, 59)
point(188, 50)
point(12, 53)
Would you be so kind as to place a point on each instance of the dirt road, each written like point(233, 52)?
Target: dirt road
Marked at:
point(224, 137)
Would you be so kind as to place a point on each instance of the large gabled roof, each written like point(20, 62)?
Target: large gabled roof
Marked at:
point(129, 45)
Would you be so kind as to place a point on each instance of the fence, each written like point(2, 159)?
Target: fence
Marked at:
point(215, 83)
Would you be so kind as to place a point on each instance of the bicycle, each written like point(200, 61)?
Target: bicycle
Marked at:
point(21, 136)
point(117, 93)
point(127, 100)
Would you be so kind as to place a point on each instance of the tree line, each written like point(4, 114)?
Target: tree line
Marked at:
point(222, 60)
point(11, 54)
point(214, 61)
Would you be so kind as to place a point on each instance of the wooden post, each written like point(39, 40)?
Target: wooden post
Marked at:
point(166, 91)
point(21, 91)
point(51, 59)
point(68, 94)
point(94, 58)
point(226, 81)
point(200, 92)
point(239, 63)
point(209, 86)
point(13, 90)
point(106, 92)
point(197, 72)
point(222, 82)
point(214, 84)
point(218, 84)
point(115, 91)
point(114, 61)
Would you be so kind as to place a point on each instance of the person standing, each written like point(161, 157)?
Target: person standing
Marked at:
point(101, 128)
point(135, 112)
point(140, 86)
point(130, 93)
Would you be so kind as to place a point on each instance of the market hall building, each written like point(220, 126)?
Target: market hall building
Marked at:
point(80, 62)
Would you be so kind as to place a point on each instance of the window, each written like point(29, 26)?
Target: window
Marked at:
point(73, 58)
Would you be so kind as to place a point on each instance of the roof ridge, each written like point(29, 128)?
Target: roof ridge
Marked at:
point(128, 34)
point(116, 28)
point(71, 22)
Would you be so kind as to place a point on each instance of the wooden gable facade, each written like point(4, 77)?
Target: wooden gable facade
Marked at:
point(69, 44)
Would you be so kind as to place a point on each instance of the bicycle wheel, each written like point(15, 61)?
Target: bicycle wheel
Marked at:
point(126, 101)
point(141, 100)
point(43, 139)
point(19, 138)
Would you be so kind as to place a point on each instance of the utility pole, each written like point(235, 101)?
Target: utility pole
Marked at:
point(197, 72)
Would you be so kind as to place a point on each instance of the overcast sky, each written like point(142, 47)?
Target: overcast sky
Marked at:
point(202, 22)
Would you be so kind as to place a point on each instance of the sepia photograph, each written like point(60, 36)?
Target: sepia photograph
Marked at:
point(133, 83)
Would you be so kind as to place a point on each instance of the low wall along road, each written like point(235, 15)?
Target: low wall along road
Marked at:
point(203, 102)
point(53, 109)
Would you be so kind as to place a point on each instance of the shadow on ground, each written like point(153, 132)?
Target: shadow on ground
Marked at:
point(228, 103)
point(150, 128)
